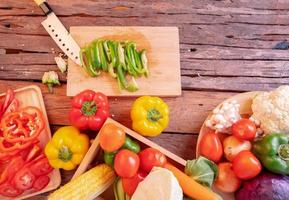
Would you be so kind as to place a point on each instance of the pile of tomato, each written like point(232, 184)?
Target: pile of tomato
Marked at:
point(23, 163)
point(233, 154)
point(130, 163)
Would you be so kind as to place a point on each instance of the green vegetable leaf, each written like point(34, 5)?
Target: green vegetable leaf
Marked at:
point(202, 170)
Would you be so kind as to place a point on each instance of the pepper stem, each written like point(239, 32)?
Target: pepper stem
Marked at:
point(154, 115)
point(283, 151)
point(65, 154)
point(88, 108)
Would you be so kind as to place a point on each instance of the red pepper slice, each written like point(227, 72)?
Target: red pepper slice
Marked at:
point(24, 125)
point(89, 110)
point(6, 146)
point(7, 101)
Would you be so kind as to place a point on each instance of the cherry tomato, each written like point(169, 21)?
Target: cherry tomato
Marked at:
point(150, 158)
point(244, 129)
point(111, 137)
point(227, 181)
point(41, 167)
point(126, 163)
point(211, 147)
point(232, 146)
point(41, 182)
point(8, 190)
point(130, 184)
point(24, 179)
point(246, 165)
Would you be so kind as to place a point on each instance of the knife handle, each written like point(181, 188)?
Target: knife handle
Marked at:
point(38, 2)
point(44, 6)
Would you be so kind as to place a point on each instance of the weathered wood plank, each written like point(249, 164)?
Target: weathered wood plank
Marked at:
point(187, 112)
point(232, 83)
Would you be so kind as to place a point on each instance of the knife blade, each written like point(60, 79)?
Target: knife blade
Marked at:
point(59, 33)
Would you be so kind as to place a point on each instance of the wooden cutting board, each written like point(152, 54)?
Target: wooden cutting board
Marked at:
point(162, 45)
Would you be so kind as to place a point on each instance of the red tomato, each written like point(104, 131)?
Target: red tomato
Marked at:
point(233, 145)
point(150, 158)
point(8, 190)
point(244, 129)
point(41, 182)
point(126, 163)
point(211, 147)
point(14, 166)
point(33, 152)
point(246, 165)
point(130, 184)
point(24, 179)
point(41, 167)
point(111, 137)
point(227, 181)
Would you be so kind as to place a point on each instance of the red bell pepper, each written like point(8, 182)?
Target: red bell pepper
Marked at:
point(9, 97)
point(89, 110)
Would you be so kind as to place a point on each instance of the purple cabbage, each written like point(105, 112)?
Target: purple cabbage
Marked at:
point(266, 186)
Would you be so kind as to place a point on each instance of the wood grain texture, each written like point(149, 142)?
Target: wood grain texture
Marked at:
point(213, 34)
point(162, 50)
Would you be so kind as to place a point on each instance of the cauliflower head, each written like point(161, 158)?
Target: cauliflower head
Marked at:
point(271, 109)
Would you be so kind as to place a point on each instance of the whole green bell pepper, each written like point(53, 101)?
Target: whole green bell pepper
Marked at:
point(273, 152)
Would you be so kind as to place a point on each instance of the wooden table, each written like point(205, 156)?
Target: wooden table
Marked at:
point(226, 47)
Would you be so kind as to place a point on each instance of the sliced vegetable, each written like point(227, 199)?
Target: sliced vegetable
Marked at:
point(126, 163)
point(211, 147)
point(150, 115)
point(41, 167)
point(246, 165)
point(117, 58)
point(150, 158)
point(8, 190)
point(111, 137)
point(190, 187)
point(227, 181)
point(24, 179)
point(233, 146)
point(119, 192)
point(67, 148)
point(41, 182)
point(87, 186)
point(202, 170)
point(89, 110)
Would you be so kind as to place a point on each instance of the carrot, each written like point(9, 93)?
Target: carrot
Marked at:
point(190, 187)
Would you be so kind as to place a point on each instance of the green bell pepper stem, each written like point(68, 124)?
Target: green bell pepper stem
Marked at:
point(131, 87)
point(144, 62)
point(273, 152)
point(104, 64)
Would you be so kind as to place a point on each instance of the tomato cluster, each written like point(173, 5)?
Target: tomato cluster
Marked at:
point(232, 153)
point(130, 164)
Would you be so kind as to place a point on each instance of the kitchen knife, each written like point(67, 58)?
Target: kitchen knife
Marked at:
point(59, 33)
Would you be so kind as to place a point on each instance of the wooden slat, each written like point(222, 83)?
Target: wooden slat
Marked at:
point(187, 112)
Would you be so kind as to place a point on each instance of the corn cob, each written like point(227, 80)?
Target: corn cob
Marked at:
point(87, 186)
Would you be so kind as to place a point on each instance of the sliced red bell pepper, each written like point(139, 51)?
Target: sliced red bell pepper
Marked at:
point(89, 110)
point(7, 101)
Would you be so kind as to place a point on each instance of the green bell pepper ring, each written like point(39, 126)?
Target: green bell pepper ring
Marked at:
point(86, 62)
point(273, 152)
point(104, 64)
point(96, 55)
point(144, 61)
point(131, 87)
point(131, 145)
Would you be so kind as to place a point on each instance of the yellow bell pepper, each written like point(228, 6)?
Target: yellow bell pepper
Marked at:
point(150, 116)
point(67, 148)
